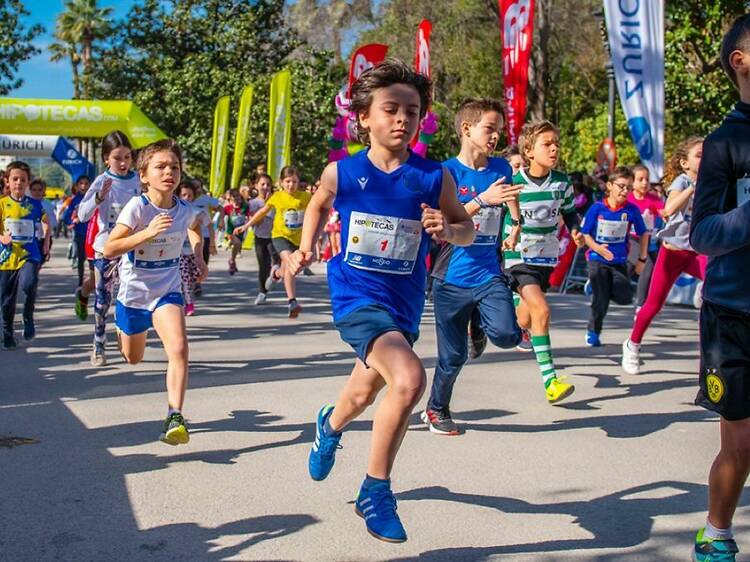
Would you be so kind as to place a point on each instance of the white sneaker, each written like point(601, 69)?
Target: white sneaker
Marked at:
point(631, 359)
point(272, 279)
point(260, 299)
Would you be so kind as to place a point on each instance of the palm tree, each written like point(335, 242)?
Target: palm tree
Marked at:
point(65, 48)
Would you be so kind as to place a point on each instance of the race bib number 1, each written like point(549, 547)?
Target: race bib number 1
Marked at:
point(160, 252)
point(383, 243)
point(487, 226)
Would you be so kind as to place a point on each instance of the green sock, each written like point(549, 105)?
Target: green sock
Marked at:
point(516, 299)
point(543, 353)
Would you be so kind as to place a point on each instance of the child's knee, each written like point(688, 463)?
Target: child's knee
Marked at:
point(410, 385)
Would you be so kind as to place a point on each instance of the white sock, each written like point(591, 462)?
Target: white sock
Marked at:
point(171, 411)
point(717, 534)
point(632, 346)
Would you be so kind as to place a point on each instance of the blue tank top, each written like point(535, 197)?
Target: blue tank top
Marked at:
point(475, 265)
point(383, 245)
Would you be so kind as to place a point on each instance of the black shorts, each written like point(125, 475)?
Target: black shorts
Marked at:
point(526, 274)
point(283, 245)
point(725, 362)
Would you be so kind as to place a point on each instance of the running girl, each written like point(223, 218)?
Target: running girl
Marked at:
point(109, 194)
point(289, 205)
point(236, 215)
point(150, 233)
point(73, 221)
point(391, 202)
point(190, 273)
point(676, 255)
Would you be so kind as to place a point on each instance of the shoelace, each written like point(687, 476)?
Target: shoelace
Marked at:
point(442, 416)
point(384, 503)
point(329, 445)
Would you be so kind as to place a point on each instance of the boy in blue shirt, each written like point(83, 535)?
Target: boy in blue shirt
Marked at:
point(391, 201)
point(606, 228)
point(469, 278)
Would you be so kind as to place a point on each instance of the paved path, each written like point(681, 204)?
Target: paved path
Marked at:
point(616, 473)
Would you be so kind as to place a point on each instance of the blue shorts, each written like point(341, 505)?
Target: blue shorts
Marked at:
point(132, 321)
point(360, 327)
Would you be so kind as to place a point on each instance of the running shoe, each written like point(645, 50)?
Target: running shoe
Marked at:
point(587, 289)
point(29, 331)
point(323, 452)
point(713, 550)
point(294, 309)
point(175, 430)
point(82, 306)
point(377, 506)
point(98, 359)
point(525, 343)
point(631, 358)
point(9, 342)
point(440, 423)
point(307, 272)
point(198, 290)
point(272, 279)
point(558, 390)
point(477, 340)
point(592, 339)
point(232, 267)
point(190, 309)
point(260, 299)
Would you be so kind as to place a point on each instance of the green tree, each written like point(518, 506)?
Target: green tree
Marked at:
point(16, 43)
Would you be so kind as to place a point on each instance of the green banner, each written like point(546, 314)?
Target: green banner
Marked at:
point(219, 147)
point(280, 124)
point(77, 118)
point(240, 141)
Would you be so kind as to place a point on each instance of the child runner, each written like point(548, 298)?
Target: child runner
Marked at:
point(262, 232)
point(605, 228)
point(513, 155)
point(546, 195)
point(721, 229)
point(150, 233)
point(236, 215)
point(650, 205)
point(289, 205)
point(38, 190)
point(20, 255)
point(206, 202)
point(190, 273)
point(109, 193)
point(72, 221)
point(676, 255)
point(388, 198)
point(470, 278)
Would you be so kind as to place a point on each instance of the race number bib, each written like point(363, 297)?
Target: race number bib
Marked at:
point(487, 226)
point(743, 191)
point(383, 243)
point(539, 249)
point(114, 212)
point(160, 252)
point(611, 232)
point(293, 219)
point(20, 230)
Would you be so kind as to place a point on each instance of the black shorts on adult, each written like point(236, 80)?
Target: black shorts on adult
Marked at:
point(526, 274)
point(282, 244)
point(725, 362)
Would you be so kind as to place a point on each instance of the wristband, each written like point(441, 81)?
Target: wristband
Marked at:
point(479, 202)
point(514, 222)
point(643, 260)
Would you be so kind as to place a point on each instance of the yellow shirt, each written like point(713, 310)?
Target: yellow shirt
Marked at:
point(290, 212)
point(21, 219)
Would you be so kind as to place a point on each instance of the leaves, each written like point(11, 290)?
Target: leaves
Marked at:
point(16, 44)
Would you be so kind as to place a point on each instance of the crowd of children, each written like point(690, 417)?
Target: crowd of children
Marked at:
point(494, 223)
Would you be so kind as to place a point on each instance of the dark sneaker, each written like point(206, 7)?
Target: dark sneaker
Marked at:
point(377, 506)
point(9, 342)
point(294, 309)
point(175, 430)
point(439, 423)
point(477, 340)
point(711, 550)
point(307, 272)
point(29, 331)
point(323, 452)
point(82, 306)
point(592, 339)
point(525, 344)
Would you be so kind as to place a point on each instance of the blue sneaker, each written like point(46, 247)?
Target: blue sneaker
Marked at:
point(377, 506)
point(592, 339)
point(323, 452)
point(709, 550)
point(588, 289)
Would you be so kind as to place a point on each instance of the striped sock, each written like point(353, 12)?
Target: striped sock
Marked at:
point(543, 353)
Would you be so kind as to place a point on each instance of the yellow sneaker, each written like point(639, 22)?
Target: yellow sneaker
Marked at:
point(175, 430)
point(558, 390)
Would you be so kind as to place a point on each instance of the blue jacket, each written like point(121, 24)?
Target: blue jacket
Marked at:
point(721, 216)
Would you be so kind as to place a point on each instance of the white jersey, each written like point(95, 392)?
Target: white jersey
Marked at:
point(123, 189)
point(152, 270)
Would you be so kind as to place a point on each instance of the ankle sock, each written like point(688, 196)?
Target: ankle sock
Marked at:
point(632, 346)
point(371, 481)
point(717, 534)
point(171, 411)
point(327, 429)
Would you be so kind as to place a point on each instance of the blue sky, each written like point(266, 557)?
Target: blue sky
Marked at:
point(42, 78)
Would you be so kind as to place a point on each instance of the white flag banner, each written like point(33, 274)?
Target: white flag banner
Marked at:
point(636, 39)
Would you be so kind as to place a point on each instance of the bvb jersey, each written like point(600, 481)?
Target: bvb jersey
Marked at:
point(22, 220)
point(383, 245)
point(289, 213)
point(541, 208)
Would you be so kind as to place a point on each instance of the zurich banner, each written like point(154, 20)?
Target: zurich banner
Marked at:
point(72, 161)
point(636, 40)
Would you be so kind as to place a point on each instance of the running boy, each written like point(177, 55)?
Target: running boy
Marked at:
point(721, 230)
point(391, 201)
point(546, 195)
point(109, 193)
point(21, 217)
point(470, 278)
point(150, 232)
point(606, 229)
